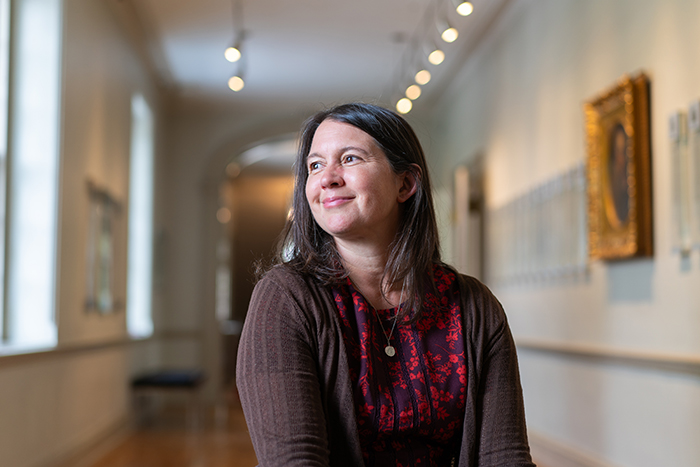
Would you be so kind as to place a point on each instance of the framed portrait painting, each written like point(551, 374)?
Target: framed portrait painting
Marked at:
point(619, 171)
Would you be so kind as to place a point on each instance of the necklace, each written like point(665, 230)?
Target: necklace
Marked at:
point(389, 349)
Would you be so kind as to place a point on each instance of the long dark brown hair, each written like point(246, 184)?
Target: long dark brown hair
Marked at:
point(310, 250)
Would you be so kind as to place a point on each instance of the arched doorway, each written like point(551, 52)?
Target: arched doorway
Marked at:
point(257, 193)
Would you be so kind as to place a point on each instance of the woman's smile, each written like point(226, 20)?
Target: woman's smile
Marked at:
point(335, 201)
point(352, 190)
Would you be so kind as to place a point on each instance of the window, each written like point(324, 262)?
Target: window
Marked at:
point(140, 257)
point(4, 84)
point(32, 169)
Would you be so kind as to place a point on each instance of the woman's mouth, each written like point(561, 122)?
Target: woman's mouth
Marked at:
point(334, 201)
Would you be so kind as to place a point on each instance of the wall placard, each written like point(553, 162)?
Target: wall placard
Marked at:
point(541, 234)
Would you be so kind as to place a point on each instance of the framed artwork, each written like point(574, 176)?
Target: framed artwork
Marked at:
point(619, 171)
point(100, 272)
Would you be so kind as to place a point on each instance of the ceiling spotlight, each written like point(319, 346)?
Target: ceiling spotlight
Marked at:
point(413, 92)
point(449, 35)
point(236, 83)
point(436, 57)
point(464, 8)
point(446, 31)
point(423, 77)
point(233, 53)
point(404, 105)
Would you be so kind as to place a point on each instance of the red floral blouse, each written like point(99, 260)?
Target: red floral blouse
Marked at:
point(410, 407)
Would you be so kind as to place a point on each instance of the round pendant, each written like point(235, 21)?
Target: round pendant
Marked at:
point(390, 351)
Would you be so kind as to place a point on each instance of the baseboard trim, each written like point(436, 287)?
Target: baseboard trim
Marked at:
point(92, 451)
point(547, 452)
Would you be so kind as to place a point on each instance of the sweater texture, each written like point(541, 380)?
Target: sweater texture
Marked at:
point(297, 396)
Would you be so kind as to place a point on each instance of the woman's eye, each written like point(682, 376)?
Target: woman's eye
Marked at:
point(314, 166)
point(350, 159)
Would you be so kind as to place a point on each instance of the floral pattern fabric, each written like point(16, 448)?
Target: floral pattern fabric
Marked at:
point(409, 407)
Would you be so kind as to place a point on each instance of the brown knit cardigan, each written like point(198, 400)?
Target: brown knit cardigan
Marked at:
point(297, 397)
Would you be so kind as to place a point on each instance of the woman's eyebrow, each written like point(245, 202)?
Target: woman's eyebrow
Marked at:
point(354, 148)
point(341, 150)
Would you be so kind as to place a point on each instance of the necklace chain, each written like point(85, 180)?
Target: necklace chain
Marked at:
point(389, 349)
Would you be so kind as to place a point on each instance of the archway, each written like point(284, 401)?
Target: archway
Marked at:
point(255, 199)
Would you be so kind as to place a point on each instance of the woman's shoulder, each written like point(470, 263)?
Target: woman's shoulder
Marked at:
point(288, 276)
point(288, 284)
point(281, 274)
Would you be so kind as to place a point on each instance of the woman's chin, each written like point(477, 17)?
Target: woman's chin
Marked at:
point(338, 227)
point(339, 232)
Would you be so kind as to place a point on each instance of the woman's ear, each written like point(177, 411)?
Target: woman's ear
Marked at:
point(409, 183)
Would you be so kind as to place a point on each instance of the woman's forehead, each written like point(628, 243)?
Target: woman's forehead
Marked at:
point(335, 135)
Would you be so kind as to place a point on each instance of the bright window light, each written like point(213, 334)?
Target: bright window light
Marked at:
point(4, 83)
point(140, 256)
point(34, 152)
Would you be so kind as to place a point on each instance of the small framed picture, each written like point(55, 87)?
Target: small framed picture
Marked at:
point(619, 171)
point(101, 287)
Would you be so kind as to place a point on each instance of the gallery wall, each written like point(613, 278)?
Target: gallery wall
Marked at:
point(610, 356)
point(60, 402)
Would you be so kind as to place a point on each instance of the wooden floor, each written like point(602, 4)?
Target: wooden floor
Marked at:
point(172, 440)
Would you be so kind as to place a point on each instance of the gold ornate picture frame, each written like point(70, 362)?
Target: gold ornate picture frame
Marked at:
point(619, 171)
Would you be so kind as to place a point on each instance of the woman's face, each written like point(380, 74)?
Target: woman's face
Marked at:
point(352, 190)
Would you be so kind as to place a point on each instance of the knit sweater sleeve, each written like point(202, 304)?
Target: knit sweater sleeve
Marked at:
point(500, 435)
point(278, 381)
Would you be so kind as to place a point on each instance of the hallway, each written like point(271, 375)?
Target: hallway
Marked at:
point(137, 191)
point(170, 441)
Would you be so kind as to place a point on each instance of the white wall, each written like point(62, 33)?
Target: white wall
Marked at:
point(518, 100)
point(53, 405)
point(56, 403)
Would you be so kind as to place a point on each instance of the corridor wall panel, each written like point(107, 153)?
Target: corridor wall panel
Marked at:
point(518, 102)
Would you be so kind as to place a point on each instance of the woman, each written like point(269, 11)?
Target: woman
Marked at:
point(361, 347)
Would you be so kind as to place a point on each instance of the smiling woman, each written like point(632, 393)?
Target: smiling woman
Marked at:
point(352, 190)
point(361, 347)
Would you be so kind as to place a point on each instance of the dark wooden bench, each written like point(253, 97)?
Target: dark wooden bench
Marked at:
point(164, 381)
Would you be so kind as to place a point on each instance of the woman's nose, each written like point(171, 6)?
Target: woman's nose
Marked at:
point(332, 176)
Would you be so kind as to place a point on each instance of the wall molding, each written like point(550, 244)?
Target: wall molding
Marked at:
point(91, 451)
point(547, 452)
point(33, 355)
point(663, 361)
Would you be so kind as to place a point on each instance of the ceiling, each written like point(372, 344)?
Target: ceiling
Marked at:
point(305, 52)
